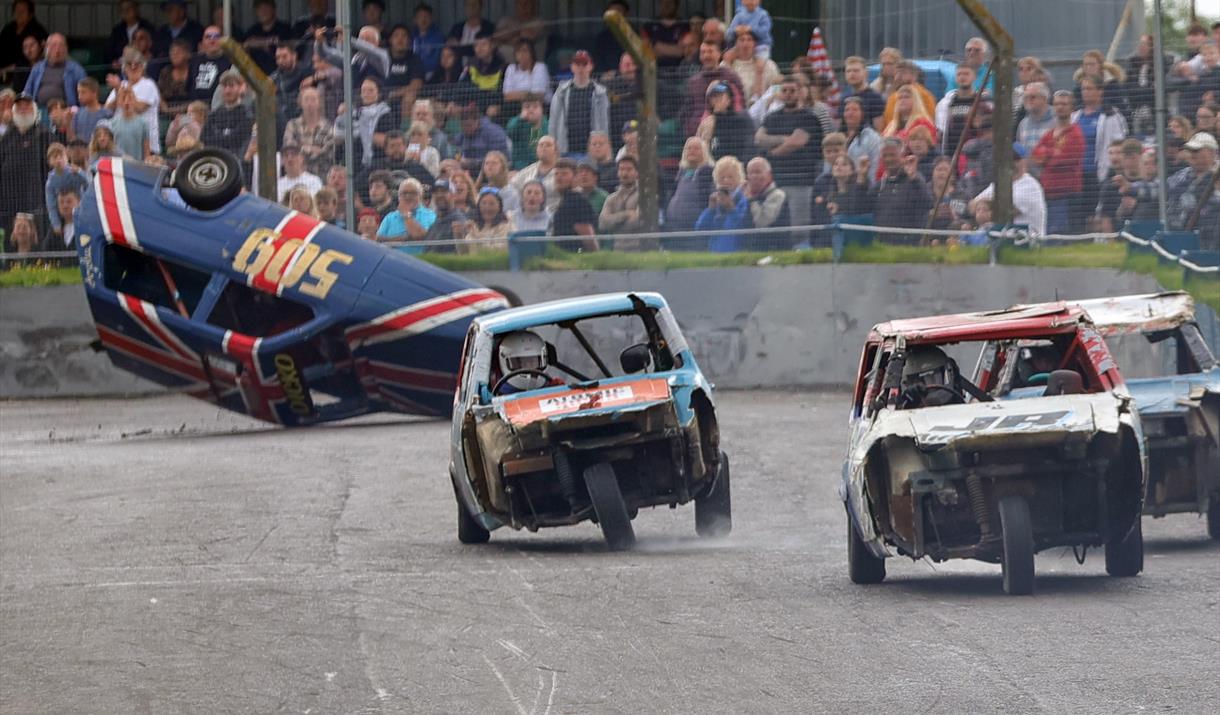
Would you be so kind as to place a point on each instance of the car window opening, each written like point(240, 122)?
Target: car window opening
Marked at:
point(138, 274)
point(578, 348)
point(245, 310)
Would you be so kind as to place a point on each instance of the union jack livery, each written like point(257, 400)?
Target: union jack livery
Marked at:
point(267, 311)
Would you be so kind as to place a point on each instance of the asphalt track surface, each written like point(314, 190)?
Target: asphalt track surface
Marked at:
point(160, 556)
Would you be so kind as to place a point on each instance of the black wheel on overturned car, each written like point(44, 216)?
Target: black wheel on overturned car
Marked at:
point(608, 504)
point(862, 566)
point(1125, 556)
point(470, 531)
point(1017, 532)
point(208, 178)
point(714, 510)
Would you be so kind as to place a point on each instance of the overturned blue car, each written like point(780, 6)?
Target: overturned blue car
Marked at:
point(259, 309)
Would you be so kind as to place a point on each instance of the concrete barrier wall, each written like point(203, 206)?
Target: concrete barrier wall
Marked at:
point(44, 347)
point(805, 325)
point(748, 327)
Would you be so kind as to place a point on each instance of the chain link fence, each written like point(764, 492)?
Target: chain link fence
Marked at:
point(754, 155)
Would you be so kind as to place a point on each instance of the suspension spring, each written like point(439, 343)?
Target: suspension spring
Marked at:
point(567, 479)
point(978, 504)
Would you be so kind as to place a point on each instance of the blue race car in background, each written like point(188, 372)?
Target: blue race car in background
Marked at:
point(263, 310)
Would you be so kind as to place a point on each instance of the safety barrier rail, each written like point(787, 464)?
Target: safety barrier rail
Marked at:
point(833, 235)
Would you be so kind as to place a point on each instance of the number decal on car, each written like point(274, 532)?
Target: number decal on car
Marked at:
point(273, 261)
point(982, 424)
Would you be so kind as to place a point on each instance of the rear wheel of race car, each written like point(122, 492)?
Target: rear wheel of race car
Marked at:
point(470, 531)
point(862, 566)
point(208, 179)
point(1018, 537)
point(1125, 557)
point(714, 510)
point(608, 504)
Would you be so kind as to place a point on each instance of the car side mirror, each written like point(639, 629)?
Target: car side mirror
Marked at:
point(635, 359)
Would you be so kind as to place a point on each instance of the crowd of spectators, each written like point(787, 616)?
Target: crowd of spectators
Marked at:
point(500, 128)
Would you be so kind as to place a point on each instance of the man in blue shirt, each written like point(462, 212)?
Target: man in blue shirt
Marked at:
point(410, 221)
point(478, 136)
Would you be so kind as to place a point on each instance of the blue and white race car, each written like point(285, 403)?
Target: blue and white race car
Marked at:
point(547, 431)
point(263, 310)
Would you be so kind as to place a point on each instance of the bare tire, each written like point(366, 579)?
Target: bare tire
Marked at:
point(207, 179)
point(608, 504)
point(1125, 557)
point(1017, 563)
point(470, 531)
point(862, 566)
point(714, 510)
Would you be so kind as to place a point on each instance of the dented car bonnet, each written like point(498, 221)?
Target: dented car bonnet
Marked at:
point(1013, 422)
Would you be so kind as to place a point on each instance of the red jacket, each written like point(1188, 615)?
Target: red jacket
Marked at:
point(1061, 152)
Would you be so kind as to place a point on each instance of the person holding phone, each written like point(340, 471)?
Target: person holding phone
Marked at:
point(901, 198)
point(728, 207)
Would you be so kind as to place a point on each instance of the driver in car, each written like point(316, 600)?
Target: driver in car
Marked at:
point(523, 360)
point(929, 379)
point(1035, 364)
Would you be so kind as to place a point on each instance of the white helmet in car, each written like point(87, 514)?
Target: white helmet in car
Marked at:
point(523, 350)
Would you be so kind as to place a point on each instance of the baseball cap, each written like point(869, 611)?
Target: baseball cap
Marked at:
point(367, 211)
point(442, 185)
point(717, 88)
point(1201, 140)
point(1019, 150)
point(631, 126)
point(582, 57)
point(290, 149)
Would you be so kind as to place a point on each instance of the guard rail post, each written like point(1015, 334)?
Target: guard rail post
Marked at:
point(264, 114)
point(1002, 44)
point(641, 51)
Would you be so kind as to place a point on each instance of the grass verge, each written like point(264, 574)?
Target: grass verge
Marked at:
point(883, 253)
point(38, 274)
point(1072, 255)
point(556, 260)
point(1076, 255)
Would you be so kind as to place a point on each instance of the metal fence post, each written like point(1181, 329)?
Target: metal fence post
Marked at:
point(264, 114)
point(641, 51)
point(1002, 127)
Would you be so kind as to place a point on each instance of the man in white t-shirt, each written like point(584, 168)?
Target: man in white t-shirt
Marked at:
point(1028, 201)
point(294, 173)
point(148, 99)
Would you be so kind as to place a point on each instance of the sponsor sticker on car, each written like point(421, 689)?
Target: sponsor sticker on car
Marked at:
point(529, 409)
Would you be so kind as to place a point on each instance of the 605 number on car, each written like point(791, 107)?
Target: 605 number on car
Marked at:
point(269, 258)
